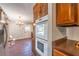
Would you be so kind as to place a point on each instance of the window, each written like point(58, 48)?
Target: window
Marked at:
point(27, 28)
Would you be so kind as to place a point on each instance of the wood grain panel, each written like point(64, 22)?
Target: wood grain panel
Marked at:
point(65, 14)
point(58, 53)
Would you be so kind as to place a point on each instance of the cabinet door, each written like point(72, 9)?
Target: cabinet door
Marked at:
point(44, 9)
point(34, 13)
point(78, 13)
point(37, 11)
point(65, 14)
point(40, 10)
point(58, 53)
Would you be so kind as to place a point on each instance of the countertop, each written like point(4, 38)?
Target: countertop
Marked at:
point(67, 46)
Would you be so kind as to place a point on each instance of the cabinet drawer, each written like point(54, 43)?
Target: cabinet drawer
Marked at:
point(58, 53)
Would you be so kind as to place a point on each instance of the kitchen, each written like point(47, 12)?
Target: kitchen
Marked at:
point(54, 28)
point(64, 27)
point(67, 25)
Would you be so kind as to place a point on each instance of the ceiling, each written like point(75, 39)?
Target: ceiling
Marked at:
point(14, 10)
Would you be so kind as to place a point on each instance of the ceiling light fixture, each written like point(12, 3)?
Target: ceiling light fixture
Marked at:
point(20, 21)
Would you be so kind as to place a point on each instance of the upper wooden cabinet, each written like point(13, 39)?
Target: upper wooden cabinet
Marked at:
point(66, 14)
point(44, 9)
point(40, 10)
point(37, 11)
point(77, 13)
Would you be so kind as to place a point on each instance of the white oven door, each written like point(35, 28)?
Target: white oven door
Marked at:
point(42, 47)
point(42, 30)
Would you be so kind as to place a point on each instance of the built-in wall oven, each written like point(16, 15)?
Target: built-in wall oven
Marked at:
point(41, 47)
point(42, 36)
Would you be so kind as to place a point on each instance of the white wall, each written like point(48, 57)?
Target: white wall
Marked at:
point(73, 33)
point(17, 31)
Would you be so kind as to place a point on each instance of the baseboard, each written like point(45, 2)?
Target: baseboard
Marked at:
point(23, 38)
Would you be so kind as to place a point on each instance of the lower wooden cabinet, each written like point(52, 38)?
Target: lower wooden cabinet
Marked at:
point(58, 53)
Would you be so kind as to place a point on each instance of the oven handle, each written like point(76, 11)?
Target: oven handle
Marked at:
point(41, 38)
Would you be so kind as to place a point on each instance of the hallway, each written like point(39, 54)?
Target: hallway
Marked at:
point(22, 47)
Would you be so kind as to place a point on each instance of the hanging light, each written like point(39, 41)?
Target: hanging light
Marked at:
point(20, 21)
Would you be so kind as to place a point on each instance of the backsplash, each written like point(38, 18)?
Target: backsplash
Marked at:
point(72, 33)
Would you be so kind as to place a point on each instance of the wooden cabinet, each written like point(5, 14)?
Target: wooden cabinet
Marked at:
point(44, 9)
point(66, 14)
point(77, 13)
point(58, 53)
point(37, 11)
point(40, 10)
